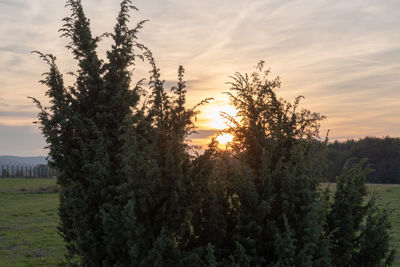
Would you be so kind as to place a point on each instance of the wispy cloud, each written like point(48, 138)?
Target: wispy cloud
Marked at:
point(203, 134)
point(3, 102)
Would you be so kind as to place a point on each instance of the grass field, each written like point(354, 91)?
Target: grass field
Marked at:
point(28, 221)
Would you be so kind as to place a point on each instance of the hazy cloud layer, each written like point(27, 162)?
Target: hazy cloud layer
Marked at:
point(21, 140)
point(343, 56)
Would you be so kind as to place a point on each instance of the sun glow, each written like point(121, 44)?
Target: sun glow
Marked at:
point(214, 118)
point(224, 139)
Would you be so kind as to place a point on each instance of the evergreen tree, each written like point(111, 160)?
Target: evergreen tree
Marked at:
point(90, 133)
point(166, 216)
point(280, 221)
point(383, 155)
point(359, 231)
point(126, 173)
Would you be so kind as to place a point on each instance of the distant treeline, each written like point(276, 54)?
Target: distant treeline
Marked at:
point(27, 171)
point(383, 155)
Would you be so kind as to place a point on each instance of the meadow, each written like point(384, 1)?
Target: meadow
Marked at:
point(29, 220)
point(28, 223)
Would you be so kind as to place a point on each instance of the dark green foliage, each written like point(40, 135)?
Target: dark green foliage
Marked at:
point(125, 171)
point(383, 154)
point(89, 129)
point(359, 231)
point(279, 210)
point(134, 193)
point(374, 238)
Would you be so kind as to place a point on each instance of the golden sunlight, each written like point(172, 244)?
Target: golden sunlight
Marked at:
point(213, 118)
point(224, 138)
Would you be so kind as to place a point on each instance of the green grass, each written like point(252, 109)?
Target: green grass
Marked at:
point(28, 221)
point(15, 185)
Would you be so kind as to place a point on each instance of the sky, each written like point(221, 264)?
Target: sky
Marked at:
point(343, 56)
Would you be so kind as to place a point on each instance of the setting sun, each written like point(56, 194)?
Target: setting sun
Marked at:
point(224, 138)
point(212, 116)
point(212, 119)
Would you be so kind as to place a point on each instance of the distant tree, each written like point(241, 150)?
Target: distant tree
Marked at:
point(40, 170)
point(383, 154)
point(4, 173)
point(19, 172)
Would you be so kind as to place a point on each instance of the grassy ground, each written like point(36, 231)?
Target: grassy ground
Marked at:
point(28, 221)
